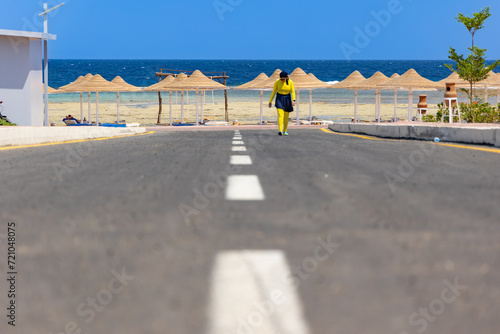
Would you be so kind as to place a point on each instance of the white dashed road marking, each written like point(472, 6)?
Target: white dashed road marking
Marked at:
point(251, 292)
point(241, 160)
point(238, 143)
point(244, 188)
point(239, 149)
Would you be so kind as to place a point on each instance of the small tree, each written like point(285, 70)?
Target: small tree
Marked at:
point(474, 23)
point(473, 68)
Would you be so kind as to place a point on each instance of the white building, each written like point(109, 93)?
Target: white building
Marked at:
point(21, 79)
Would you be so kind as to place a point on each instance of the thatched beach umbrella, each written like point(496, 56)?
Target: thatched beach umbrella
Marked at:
point(410, 81)
point(353, 78)
point(302, 81)
point(372, 84)
point(461, 83)
point(162, 86)
point(124, 87)
point(488, 82)
point(269, 83)
point(50, 90)
point(197, 81)
point(311, 75)
point(180, 77)
point(96, 84)
point(327, 85)
point(78, 81)
point(68, 89)
point(254, 85)
point(249, 85)
point(266, 84)
point(453, 78)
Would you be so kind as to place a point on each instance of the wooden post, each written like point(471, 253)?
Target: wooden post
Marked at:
point(160, 104)
point(160, 108)
point(225, 97)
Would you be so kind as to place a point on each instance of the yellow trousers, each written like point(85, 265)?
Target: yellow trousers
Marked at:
point(283, 120)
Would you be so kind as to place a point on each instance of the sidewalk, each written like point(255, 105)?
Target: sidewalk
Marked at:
point(28, 135)
point(483, 134)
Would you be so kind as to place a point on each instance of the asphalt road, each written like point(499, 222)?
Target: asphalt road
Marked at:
point(122, 235)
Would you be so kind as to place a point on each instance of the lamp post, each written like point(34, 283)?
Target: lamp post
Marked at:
point(46, 59)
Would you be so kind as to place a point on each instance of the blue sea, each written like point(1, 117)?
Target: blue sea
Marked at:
point(142, 73)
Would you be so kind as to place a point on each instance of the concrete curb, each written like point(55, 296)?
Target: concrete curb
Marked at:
point(18, 135)
point(470, 135)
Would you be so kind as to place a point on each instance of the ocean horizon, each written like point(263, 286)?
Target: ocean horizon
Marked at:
point(141, 73)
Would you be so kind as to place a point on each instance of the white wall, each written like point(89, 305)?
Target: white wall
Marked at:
point(21, 86)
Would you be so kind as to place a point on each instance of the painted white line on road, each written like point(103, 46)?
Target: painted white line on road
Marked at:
point(239, 142)
point(244, 188)
point(251, 293)
point(241, 160)
point(238, 149)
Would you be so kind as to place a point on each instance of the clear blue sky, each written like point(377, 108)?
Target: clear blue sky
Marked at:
point(256, 29)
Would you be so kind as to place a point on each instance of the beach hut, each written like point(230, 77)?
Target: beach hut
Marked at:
point(410, 81)
point(96, 84)
point(372, 84)
point(195, 82)
point(302, 81)
point(124, 87)
point(353, 78)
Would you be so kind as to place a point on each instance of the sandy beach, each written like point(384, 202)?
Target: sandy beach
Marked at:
point(243, 112)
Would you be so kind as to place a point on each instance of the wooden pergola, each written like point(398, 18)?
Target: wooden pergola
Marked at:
point(219, 76)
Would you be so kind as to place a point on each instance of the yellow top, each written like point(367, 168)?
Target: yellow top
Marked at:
point(281, 87)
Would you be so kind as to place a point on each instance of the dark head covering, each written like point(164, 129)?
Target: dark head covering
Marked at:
point(283, 75)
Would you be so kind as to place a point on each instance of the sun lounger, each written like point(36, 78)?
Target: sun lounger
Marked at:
point(70, 122)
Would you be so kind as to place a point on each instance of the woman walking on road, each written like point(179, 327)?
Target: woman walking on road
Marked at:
point(285, 101)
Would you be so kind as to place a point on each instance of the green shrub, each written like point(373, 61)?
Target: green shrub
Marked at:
point(479, 112)
point(5, 123)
